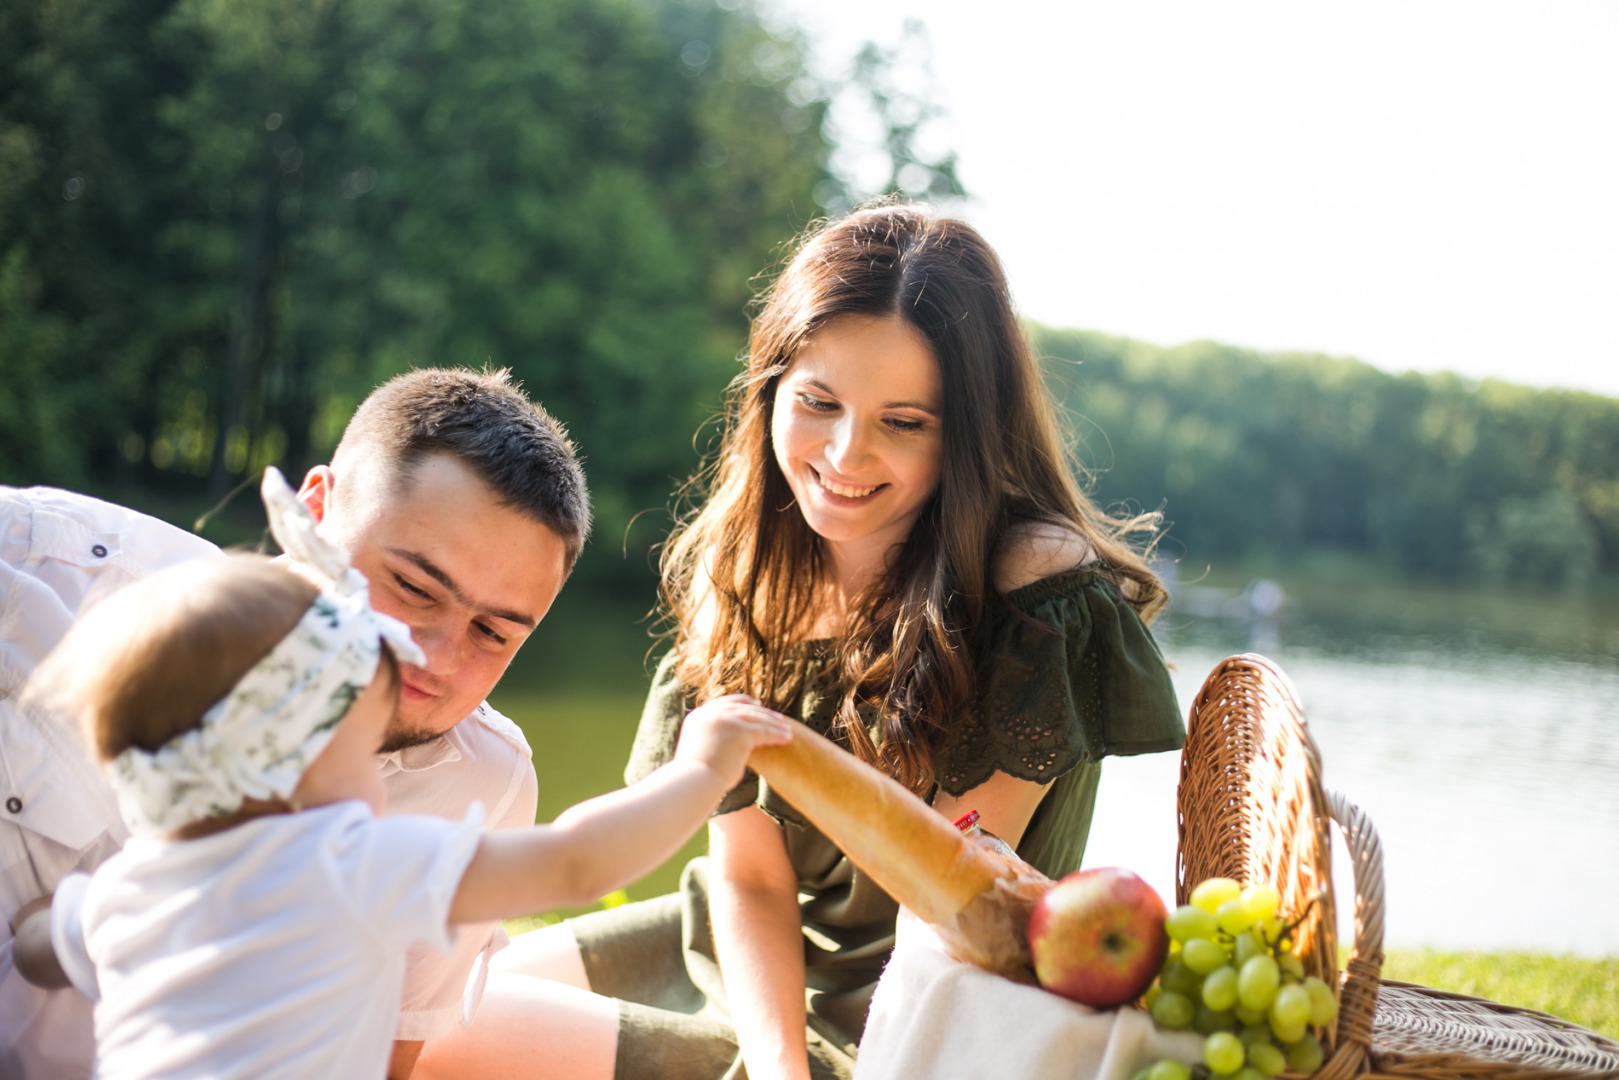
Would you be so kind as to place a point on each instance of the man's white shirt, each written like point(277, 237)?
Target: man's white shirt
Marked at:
point(61, 552)
point(483, 759)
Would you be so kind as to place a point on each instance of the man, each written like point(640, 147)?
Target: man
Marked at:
point(464, 505)
point(59, 552)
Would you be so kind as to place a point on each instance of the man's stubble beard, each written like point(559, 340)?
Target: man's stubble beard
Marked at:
point(404, 738)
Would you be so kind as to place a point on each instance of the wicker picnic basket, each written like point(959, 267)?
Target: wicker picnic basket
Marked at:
point(1252, 808)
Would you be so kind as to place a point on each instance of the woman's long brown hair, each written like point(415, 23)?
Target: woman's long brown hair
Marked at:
point(742, 575)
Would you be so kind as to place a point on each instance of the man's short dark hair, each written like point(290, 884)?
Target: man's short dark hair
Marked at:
point(487, 423)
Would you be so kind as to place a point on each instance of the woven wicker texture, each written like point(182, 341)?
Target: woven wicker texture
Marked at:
point(1427, 1033)
point(1250, 789)
point(1249, 786)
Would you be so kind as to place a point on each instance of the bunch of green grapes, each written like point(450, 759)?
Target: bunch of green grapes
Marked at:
point(1232, 976)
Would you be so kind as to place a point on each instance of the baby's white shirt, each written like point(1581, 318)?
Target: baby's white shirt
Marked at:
point(272, 949)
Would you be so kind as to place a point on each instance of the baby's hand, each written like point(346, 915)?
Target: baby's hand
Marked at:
point(723, 732)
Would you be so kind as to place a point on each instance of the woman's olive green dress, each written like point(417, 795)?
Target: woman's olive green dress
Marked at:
point(1079, 679)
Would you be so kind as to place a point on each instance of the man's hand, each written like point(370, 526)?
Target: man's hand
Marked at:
point(31, 949)
point(39, 903)
point(403, 1061)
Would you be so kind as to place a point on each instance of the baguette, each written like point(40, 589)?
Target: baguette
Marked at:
point(902, 844)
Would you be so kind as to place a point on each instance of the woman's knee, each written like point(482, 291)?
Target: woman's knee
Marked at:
point(528, 1027)
point(550, 952)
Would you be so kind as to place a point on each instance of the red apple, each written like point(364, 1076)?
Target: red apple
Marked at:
point(1098, 937)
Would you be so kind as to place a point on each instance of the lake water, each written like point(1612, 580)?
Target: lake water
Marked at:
point(1480, 733)
point(1478, 729)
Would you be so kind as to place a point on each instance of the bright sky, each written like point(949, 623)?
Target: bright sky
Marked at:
point(1428, 185)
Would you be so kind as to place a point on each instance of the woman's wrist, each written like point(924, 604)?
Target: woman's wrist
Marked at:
point(773, 1042)
point(766, 990)
point(784, 1067)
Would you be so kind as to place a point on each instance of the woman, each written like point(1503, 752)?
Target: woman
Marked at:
point(895, 551)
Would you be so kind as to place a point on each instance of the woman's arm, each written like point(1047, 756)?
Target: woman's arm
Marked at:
point(758, 940)
point(1031, 551)
point(1004, 804)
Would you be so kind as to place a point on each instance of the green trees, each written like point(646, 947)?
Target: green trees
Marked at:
point(221, 224)
point(1252, 455)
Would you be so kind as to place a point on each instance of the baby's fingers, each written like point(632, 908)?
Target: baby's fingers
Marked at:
point(774, 729)
point(767, 725)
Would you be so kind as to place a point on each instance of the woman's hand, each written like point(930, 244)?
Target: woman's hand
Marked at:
point(758, 940)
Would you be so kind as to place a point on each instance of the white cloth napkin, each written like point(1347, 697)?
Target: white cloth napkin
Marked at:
point(936, 1018)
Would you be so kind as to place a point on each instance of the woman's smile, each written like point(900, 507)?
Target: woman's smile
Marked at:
point(854, 493)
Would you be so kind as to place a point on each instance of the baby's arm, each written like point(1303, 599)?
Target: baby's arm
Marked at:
point(31, 950)
point(609, 841)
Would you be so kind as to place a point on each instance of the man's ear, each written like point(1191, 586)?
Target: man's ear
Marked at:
point(316, 492)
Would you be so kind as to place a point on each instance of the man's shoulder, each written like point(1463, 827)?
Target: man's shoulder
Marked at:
point(86, 510)
point(483, 758)
point(495, 751)
point(85, 530)
point(487, 725)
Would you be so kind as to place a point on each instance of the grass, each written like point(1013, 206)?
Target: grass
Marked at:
point(1582, 990)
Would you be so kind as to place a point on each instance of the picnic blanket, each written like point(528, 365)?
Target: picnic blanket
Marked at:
point(935, 1018)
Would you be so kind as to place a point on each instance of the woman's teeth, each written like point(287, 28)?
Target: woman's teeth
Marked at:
point(844, 490)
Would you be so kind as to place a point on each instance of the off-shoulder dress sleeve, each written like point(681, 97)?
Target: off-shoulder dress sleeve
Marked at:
point(1071, 675)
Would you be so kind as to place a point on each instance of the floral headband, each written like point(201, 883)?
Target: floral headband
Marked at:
point(257, 741)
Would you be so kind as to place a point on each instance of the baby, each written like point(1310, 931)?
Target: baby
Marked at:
point(256, 923)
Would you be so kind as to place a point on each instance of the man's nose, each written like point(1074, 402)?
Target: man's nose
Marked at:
point(442, 647)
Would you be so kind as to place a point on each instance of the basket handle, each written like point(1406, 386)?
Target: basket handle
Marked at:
point(1357, 997)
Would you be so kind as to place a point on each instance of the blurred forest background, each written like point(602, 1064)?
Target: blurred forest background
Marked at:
point(221, 224)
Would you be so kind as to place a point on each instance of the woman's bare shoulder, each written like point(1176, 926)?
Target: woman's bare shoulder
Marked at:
point(1034, 550)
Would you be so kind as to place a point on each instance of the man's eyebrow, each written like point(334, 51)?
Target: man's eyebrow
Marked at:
point(918, 405)
point(436, 572)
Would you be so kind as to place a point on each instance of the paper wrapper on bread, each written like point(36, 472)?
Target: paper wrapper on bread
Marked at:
point(992, 929)
point(977, 900)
